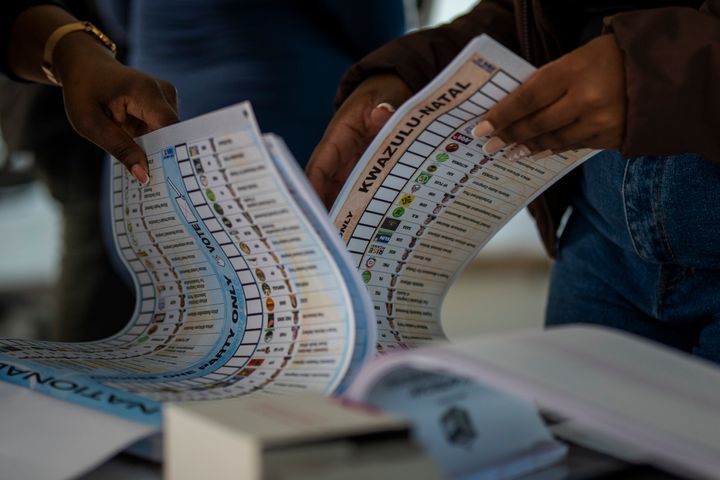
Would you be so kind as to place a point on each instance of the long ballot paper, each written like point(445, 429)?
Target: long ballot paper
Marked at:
point(243, 285)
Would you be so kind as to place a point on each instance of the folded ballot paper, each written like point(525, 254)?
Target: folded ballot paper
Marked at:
point(244, 285)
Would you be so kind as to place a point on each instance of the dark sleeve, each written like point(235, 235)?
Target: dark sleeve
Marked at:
point(418, 57)
point(672, 74)
point(9, 11)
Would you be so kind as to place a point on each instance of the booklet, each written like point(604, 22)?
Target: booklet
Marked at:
point(614, 392)
point(244, 285)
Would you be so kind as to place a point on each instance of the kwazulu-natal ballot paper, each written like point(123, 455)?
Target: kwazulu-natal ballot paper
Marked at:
point(244, 285)
point(425, 198)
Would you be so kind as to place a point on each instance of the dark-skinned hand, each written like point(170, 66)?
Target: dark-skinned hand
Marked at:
point(576, 101)
point(351, 130)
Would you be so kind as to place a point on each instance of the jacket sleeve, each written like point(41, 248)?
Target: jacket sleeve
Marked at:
point(418, 57)
point(672, 75)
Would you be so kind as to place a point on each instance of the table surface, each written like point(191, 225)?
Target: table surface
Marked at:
point(580, 464)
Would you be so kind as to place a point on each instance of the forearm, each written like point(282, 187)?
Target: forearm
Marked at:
point(105, 101)
point(30, 32)
point(419, 56)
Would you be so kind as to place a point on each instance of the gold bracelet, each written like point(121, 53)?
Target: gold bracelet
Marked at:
point(47, 65)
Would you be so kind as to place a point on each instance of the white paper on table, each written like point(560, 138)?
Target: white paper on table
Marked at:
point(45, 438)
point(664, 404)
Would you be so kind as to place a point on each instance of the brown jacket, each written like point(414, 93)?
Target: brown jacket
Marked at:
point(672, 68)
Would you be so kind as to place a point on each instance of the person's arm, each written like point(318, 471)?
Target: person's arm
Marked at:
point(648, 86)
point(419, 56)
point(372, 89)
point(106, 102)
point(28, 34)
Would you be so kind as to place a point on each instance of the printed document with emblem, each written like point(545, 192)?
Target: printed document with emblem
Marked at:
point(243, 284)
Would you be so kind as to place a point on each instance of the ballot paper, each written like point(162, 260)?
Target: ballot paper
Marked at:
point(243, 284)
point(425, 198)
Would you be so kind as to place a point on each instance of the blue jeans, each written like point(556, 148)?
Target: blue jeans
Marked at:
point(641, 251)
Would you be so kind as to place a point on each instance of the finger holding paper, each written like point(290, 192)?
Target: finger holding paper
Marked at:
point(576, 101)
point(106, 102)
point(110, 104)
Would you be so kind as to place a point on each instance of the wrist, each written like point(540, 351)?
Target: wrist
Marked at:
point(76, 52)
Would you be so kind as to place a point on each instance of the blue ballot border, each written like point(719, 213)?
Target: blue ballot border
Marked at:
point(233, 300)
point(80, 389)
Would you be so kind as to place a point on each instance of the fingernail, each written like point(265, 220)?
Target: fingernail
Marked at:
point(483, 129)
point(140, 174)
point(386, 106)
point(518, 152)
point(493, 145)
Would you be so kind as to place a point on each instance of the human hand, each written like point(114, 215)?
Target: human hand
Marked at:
point(576, 101)
point(351, 130)
point(109, 103)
